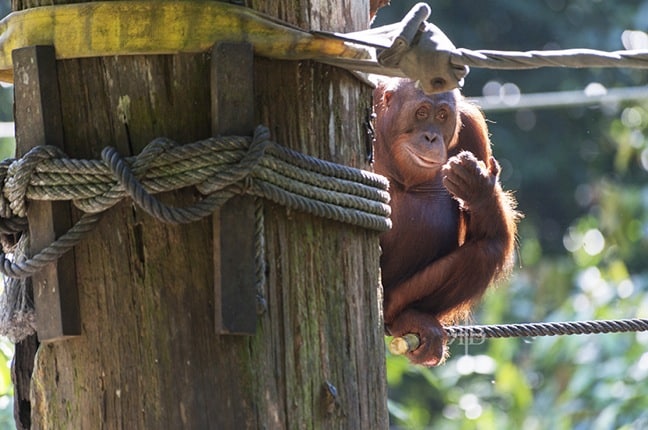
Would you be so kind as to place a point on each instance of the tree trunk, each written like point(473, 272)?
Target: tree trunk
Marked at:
point(148, 356)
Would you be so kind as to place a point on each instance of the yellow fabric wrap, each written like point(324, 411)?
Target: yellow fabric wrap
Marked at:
point(159, 27)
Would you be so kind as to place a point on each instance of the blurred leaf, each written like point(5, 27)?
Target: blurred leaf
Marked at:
point(7, 147)
point(580, 176)
point(511, 381)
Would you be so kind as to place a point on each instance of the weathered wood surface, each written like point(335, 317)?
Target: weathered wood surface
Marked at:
point(39, 122)
point(148, 356)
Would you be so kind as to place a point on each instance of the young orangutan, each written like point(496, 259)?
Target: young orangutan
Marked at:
point(453, 226)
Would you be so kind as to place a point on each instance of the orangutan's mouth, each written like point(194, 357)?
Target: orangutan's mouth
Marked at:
point(422, 160)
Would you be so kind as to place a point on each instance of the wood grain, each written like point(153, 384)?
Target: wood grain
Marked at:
point(148, 357)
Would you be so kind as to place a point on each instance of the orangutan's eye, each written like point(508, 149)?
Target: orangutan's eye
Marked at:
point(422, 113)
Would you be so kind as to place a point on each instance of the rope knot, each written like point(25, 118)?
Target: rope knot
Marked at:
point(19, 175)
point(153, 150)
point(240, 172)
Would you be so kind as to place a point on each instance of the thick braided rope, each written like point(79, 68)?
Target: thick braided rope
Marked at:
point(152, 205)
point(27, 267)
point(259, 246)
point(573, 58)
point(547, 329)
point(310, 184)
point(219, 168)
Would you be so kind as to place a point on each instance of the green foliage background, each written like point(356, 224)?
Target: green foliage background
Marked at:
point(580, 177)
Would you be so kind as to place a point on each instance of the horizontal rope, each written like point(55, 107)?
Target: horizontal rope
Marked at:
point(547, 328)
point(218, 167)
point(474, 333)
point(573, 58)
point(420, 50)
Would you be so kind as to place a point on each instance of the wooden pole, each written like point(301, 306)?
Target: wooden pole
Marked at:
point(148, 356)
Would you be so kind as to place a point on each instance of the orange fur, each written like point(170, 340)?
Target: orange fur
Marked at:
point(454, 227)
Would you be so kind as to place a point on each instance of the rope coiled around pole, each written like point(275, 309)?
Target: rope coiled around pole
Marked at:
point(219, 168)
